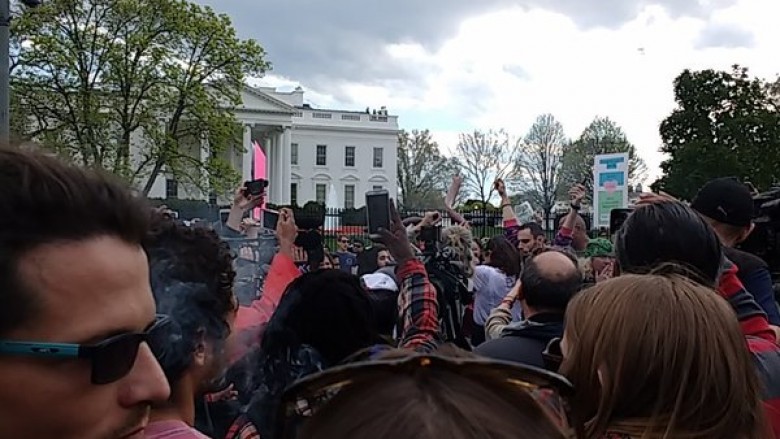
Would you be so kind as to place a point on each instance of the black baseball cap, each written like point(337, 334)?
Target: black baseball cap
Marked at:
point(726, 200)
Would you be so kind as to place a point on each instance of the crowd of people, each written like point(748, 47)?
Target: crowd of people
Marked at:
point(118, 320)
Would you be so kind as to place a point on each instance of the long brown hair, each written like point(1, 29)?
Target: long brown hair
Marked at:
point(659, 356)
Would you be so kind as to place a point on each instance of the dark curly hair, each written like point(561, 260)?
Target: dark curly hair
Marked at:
point(191, 272)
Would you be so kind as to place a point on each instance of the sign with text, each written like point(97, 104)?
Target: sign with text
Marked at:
point(610, 186)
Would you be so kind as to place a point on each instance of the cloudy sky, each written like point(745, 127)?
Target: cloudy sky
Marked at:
point(456, 65)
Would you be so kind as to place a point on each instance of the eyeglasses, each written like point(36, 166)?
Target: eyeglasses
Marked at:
point(307, 396)
point(111, 359)
point(553, 355)
point(344, 241)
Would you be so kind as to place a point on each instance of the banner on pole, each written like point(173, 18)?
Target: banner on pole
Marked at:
point(610, 186)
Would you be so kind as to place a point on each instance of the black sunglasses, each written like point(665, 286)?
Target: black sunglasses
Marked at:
point(553, 355)
point(307, 396)
point(111, 359)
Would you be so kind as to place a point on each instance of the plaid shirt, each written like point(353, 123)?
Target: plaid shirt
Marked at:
point(418, 308)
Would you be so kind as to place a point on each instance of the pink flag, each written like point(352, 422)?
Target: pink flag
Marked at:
point(259, 170)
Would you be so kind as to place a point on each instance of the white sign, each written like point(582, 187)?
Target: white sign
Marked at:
point(610, 186)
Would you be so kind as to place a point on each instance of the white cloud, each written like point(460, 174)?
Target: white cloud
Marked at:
point(504, 68)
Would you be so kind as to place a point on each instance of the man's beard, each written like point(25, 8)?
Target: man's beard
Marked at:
point(217, 377)
point(136, 419)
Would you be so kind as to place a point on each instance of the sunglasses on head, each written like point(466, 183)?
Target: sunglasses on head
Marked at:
point(111, 359)
point(307, 396)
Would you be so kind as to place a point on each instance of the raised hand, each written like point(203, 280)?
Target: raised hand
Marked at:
point(244, 201)
point(396, 239)
point(500, 187)
point(577, 194)
point(286, 231)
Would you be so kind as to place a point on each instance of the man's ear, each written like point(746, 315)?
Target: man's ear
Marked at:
point(199, 353)
point(749, 230)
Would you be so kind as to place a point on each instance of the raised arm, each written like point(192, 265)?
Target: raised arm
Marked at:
point(509, 219)
point(449, 201)
point(418, 305)
point(563, 238)
point(242, 201)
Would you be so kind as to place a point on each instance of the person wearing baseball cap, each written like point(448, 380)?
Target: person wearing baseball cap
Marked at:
point(727, 205)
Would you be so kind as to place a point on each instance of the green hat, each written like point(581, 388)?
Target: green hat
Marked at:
point(599, 247)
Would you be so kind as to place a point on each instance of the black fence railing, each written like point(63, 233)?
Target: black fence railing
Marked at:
point(353, 222)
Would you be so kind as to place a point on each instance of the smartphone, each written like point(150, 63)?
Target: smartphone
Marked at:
point(270, 219)
point(616, 219)
point(377, 212)
point(256, 187)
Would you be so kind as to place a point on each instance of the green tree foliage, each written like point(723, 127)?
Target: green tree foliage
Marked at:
point(485, 156)
point(93, 77)
point(539, 162)
point(602, 136)
point(725, 124)
point(423, 172)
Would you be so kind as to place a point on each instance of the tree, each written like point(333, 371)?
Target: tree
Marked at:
point(602, 136)
point(725, 124)
point(92, 78)
point(540, 160)
point(484, 157)
point(423, 172)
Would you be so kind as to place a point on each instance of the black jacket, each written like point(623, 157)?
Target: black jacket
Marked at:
point(523, 342)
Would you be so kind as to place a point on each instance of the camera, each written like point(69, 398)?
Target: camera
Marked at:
point(764, 242)
point(256, 187)
point(451, 284)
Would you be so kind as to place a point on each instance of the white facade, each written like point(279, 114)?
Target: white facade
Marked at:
point(308, 150)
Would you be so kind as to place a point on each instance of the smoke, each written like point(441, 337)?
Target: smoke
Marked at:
point(194, 313)
point(252, 266)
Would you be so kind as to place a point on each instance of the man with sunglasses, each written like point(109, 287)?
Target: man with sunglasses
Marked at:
point(76, 308)
point(347, 259)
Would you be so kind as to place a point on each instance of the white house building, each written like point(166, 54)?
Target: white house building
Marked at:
point(308, 150)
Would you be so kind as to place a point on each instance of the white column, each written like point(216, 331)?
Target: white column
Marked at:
point(249, 154)
point(269, 165)
point(287, 168)
point(278, 169)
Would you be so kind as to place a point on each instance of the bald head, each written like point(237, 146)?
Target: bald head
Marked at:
point(555, 265)
point(550, 280)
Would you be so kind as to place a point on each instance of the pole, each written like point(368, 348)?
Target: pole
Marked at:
point(5, 71)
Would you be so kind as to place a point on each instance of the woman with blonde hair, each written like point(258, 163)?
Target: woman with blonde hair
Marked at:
point(659, 356)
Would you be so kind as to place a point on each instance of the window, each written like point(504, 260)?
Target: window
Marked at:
point(322, 155)
point(319, 191)
point(349, 156)
point(349, 196)
point(294, 194)
point(294, 154)
point(321, 115)
point(171, 188)
point(377, 188)
point(354, 117)
point(378, 156)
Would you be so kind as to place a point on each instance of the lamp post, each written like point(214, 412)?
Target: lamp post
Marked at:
point(5, 66)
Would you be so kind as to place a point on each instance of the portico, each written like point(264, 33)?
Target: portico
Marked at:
point(267, 121)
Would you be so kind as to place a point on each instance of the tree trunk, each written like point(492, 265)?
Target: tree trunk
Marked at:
point(153, 176)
